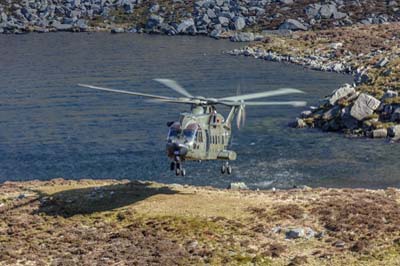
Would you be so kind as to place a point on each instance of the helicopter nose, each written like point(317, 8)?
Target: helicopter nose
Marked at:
point(177, 149)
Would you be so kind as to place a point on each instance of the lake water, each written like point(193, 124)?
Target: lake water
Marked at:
point(51, 128)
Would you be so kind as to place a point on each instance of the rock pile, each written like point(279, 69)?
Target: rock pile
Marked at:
point(355, 113)
point(216, 18)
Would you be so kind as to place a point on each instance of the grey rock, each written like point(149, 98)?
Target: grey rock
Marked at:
point(295, 233)
point(298, 123)
point(61, 27)
point(339, 244)
point(364, 106)
point(211, 14)
point(82, 24)
point(21, 196)
point(242, 37)
point(331, 113)
point(292, 24)
point(390, 94)
point(216, 33)
point(340, 93)
point(117, 30)
point(239, 23)
point(381, 63)
point(306, 113)
point(327, 11)
point(339, 15)
point(223, 21)
point(348, 121)
point(237, 186)
point(276, 229)
point(395, 115)
point(394, 131)
point(154, 8)
point(379, 133)
point(361, 76)
point(154, 21)
point(286, 2)
point(312, 10)
point(187, 26)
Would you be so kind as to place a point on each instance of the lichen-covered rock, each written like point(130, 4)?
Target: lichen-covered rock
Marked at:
point(364, 106)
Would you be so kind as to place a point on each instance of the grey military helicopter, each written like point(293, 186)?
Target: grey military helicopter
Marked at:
point(203, 134)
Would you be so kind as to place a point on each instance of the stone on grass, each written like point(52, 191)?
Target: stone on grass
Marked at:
point(237, 186)
point(292, 24)
point(295, 233)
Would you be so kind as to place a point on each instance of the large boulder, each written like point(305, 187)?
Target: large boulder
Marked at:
point(292, 24)
point(341, 92)
point(364, 106)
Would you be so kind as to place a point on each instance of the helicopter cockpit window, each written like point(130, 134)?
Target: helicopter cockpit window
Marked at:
point(190, 132)
point(174, 131)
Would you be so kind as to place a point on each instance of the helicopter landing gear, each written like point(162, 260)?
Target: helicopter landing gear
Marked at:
point(226, 168)
point(179, 170)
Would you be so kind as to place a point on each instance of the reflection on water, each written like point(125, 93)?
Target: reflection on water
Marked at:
point(51, 128)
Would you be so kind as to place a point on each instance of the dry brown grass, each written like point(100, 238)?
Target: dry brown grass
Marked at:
point(91, 222)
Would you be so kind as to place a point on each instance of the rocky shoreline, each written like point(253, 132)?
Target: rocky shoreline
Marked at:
point(369, 107)
point(87, 222)
point(215, 18)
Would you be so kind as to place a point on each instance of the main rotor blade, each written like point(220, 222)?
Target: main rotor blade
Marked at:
point(176, 100)
point(172, 84)
point(265, 94)
point(126, 92)
point(291, 103)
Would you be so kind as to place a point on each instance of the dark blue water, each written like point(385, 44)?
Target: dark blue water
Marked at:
point(50, 128)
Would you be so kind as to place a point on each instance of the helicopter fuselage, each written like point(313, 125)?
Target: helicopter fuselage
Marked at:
point(200, 136)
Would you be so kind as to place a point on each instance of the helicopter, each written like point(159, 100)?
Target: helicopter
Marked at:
point(203, 134)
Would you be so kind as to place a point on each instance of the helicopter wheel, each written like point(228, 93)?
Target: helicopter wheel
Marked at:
point(229, 169)
point(183, 172)
point(172, 166)
point(223, 169)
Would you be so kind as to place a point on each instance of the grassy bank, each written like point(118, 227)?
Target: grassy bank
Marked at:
point(88, 222)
